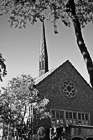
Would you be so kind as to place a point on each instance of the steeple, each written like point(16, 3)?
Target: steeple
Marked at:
point(43, 58)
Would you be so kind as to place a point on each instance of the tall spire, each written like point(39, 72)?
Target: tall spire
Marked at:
point(43, 58)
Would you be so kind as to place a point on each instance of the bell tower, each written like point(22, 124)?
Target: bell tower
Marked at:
point(43, 57)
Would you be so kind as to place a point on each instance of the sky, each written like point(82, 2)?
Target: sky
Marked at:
point(20, 48)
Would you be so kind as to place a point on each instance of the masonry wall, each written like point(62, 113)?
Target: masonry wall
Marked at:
point(52, 88)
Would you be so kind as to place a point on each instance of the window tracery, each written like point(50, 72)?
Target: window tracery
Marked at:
point(69, 89)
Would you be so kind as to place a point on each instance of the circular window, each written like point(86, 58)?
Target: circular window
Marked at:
point(69, 89)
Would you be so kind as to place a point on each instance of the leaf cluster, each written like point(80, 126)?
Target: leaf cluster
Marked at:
point(3, 71)
point(17, 98)
point(22, 11)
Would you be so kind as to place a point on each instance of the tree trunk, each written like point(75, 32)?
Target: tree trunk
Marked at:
point(80, 41)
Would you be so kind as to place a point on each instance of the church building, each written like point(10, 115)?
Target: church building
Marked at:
point(70, 96)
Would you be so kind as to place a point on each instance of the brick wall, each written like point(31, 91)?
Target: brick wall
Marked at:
point(52, 88)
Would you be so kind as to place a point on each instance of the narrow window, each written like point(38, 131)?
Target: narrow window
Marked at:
point(74, 115)
point(67, 116)
point(70, 115)
point(82, 116)
point(53, 114)
point(61, 114)
point(79, 116)
point(40, 65)
point(86, 117)
point(43, 64)
point(57, 114)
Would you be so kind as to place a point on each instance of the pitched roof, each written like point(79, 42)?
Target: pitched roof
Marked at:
point(41, 78)
point(44, 76)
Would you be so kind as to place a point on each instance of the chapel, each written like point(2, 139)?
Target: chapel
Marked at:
point(70, 96)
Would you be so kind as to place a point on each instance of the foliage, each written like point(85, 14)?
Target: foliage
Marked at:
point(23, 11)
point(3, 71)
point(18, 97)
point(78, 12)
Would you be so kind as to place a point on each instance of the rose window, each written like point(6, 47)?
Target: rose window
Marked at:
point(69, 89)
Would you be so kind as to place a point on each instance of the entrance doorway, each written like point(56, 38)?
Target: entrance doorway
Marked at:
point(77, 138)
point(89, 138)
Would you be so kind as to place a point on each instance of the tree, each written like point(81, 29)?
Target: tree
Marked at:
point(79, 12)
point(3, 71)
point(22, 107)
